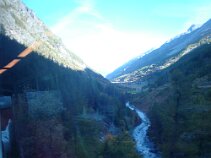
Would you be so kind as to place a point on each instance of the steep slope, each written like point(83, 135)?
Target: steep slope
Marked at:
point(164, 56)
point(19, 23)
point(173, 85)
point(60, 108)
point(180, 109)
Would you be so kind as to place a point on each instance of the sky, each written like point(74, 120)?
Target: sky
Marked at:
point(107, 33)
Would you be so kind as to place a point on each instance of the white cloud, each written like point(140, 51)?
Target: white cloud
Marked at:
point(103, 47)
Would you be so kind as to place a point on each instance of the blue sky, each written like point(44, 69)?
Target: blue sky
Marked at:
point(107, 33)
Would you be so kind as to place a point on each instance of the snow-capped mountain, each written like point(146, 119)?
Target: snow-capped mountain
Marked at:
point(161, 58)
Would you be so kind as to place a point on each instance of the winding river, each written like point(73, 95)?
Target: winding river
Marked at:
point(143, 144)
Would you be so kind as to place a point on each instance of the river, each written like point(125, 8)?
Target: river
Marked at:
point(6, 137)
point(143, 144)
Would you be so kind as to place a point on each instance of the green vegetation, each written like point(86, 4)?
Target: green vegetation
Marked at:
point(62, 113)
point(119, 147)
point(181, 121)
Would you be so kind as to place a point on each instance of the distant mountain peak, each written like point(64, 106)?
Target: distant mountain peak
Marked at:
point(192, 28)
point(163, 57)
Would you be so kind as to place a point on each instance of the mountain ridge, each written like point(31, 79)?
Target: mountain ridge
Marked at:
point(159, 56)
point(60, 107)
point(34, 32)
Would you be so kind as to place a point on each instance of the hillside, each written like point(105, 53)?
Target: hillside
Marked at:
point(160, 58)
point(20, 23)
point(172, 84)
point(180, 111)
point(60, 108)
point(53, 106)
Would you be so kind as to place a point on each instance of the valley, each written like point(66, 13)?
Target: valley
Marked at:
point(177, 102)
point(52, 105)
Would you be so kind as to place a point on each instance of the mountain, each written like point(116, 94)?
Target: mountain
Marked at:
point(172, 84)
point(59, 107)
point(127, 66)
point(163, 57)
point(20, 23)
point(178, 104)
point(175, 90)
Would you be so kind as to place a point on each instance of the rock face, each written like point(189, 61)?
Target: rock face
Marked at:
point(161, 58)
point(20, 23)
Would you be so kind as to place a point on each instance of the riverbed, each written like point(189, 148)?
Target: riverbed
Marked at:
point(143, 145)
